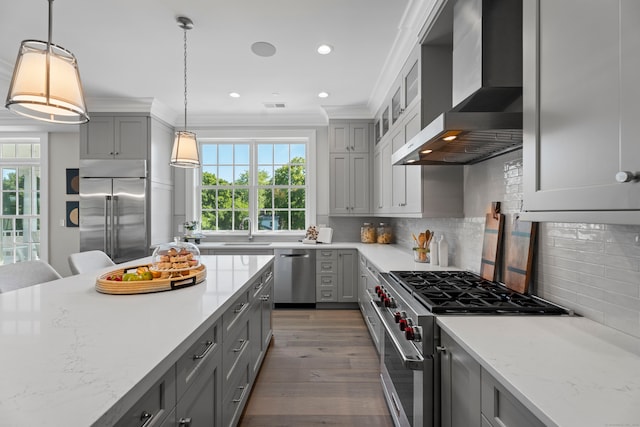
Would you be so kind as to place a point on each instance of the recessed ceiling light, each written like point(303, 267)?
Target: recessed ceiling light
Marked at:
point(450, 137)
point(427, 151)
point(263, 49)
point(323, 95)
point(234, 94)
point(324, 49)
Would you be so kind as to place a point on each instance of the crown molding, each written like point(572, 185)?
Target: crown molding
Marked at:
point(267, 119)
point(408, 36)
point(348, 112)
point(133, 105)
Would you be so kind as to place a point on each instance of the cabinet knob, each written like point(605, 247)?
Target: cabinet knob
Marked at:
point(441, 349)
point(626, 176)
point(186, 422)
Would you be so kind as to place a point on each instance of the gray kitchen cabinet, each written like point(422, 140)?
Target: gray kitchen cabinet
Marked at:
point(336, 275)
point(155, 405)
point(406, 180)
point(501, 409)
point(349, 184)
point(114, 137)
point(260, 329)
point(383, 178)
point(347, 275)
point(460, 377)
point(200, 405)
point(326, 275)
point(580, 110)
point(349, 136)
point(367, 283)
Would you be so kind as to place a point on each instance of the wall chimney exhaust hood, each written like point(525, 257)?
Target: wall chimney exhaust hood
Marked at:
point(486, 88)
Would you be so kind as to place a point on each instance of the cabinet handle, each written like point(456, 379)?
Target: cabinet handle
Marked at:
point(238, 400)
point(258, 285)
point(186, 422)
point(146, 417)
point(111, 153)
point(626, 176)
point(209, 346)
point(265, 298)
point(240, 308)
point(239, 349)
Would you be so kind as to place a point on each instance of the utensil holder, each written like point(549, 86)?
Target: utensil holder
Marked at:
point(421, 254)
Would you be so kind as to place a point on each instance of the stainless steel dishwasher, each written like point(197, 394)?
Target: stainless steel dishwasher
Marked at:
point(295, 278)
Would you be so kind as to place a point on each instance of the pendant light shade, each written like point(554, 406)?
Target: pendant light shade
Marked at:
point(46, 83)
point(185, 152)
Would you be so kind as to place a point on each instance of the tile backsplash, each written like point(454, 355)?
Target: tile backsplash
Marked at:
point(593, 269)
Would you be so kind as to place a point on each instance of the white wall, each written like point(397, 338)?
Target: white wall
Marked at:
point(64, 152)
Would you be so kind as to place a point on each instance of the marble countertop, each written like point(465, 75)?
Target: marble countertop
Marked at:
point(568, 371)
point(72, 356)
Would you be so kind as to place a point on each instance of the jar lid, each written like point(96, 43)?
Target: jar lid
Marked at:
point(367, 224)
point(383, 224)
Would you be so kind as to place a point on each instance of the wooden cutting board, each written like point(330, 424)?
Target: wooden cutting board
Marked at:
point(494, 222)
point(520, 247)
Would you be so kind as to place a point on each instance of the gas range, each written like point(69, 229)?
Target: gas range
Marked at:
point(463, 292)
point(407, 304)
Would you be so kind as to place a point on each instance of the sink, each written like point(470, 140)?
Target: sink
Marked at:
point(246, 243)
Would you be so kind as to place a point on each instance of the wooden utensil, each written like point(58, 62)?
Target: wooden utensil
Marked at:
point(520, 255)
point(492, 242)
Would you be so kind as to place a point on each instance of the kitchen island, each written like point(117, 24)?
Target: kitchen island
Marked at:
point(73, 356)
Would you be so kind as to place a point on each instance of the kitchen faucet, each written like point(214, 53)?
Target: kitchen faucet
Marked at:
point(247, 219)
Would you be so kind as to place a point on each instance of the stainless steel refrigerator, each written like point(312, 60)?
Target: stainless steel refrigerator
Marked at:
point(113, 208)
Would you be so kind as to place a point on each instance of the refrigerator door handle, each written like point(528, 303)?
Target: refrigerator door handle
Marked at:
point(107, 246)
point(115, 225)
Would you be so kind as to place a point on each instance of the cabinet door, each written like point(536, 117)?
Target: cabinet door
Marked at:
point(399, 173)
point(386, 176)
point(580, 100)
point(359, 184)
point(339, 137)
point(97, 138)
point(347, 276)
point(267, 309)
point(460, 386)
point(377, 180)
point(131, 137)
point(359, 137)
point(339, 179)
point(200, 405)
point(413, 174)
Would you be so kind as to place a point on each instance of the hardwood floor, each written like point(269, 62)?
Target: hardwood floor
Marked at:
point(321, 369)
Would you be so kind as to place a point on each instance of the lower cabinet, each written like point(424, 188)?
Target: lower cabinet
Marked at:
point(210, 383)
point(470, 396)
point(367, 283)
point(337, 275)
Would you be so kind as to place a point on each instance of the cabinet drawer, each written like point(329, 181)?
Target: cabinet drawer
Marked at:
point(501, 408)
point(326, 254)
point(155, 405)
point(236, 395)
point(234, 349)
point(326, 281)
point(196, 357)
point(329, 294)
point(256, 288)
point(325, 267)
point(235, 315)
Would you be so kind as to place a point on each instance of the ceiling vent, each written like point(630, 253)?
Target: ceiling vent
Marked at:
point(274, 105)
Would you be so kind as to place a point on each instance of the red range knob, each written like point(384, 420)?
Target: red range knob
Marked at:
point(403, 324)
point(378, 289)
point(397, 316)
point(408, 333)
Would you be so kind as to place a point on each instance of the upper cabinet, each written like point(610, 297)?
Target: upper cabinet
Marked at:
point(349, 167)
point(581, 156)
point(349, 136)
point(114, 137)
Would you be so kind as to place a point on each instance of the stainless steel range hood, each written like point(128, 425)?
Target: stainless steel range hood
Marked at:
point(486, 89)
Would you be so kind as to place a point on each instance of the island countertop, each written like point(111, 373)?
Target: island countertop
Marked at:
point(73, 356)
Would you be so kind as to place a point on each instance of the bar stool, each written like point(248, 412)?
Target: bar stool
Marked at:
point(84, 262)
point(26, 273)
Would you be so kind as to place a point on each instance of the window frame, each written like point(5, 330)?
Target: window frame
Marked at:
point(43, 140)
point(193, 176)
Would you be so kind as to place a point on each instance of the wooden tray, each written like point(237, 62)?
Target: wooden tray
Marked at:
point(114, 287)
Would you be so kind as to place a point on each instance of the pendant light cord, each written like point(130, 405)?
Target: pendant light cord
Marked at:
point(185, 76)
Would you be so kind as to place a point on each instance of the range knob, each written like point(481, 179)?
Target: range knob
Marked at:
point(397, 316)
point(377, 289)
point(409, 333)
point(390, 302)
point(403, 324)
point(417, 333)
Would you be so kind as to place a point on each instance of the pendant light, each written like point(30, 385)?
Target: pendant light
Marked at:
point(185, 152)
point(46, 82)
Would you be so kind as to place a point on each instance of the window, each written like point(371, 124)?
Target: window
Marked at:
point(265, 180)
point(20, 202)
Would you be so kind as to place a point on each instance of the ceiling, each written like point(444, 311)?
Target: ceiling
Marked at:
point(133, 50)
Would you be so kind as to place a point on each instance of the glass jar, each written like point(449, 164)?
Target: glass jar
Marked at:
point(384, 233)
point(367, 233)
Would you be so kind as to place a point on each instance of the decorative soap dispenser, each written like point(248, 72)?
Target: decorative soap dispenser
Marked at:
point(433, 251)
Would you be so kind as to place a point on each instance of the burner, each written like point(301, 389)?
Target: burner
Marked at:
point(463, 292)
